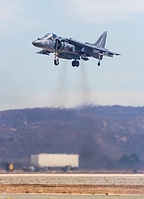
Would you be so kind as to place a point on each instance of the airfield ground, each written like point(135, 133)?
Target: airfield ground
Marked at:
point(71, 189)
point(72, 183)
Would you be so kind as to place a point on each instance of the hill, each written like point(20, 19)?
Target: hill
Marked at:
point(103, 136)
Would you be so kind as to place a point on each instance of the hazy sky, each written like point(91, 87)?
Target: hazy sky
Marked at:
point(31, 80)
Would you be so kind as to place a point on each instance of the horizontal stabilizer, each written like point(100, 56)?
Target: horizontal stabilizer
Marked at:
point(109, 53)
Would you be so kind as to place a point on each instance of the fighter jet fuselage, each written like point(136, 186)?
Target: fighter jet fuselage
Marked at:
point(68, 48)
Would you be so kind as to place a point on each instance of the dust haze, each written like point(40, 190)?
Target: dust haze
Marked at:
point(84, 87)
point(60, 96)
point(80, 94)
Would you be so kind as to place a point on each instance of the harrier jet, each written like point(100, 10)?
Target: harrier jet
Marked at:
point(68, 48)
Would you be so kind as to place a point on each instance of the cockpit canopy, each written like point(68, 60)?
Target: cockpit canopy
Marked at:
point(50, 36)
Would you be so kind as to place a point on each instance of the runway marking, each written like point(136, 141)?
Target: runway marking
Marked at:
point(66, 196)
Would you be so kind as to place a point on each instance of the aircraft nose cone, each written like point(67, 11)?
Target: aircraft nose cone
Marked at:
point(33, 43)
point(36, 43)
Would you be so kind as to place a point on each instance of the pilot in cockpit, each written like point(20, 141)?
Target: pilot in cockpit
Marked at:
point(50, 36)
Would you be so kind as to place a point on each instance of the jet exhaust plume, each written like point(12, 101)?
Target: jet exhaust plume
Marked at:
point(84, 87)
point(60, 98)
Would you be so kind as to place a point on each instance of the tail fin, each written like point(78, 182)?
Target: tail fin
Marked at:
point(101, 40)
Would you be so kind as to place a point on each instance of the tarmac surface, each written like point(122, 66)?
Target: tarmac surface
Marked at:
point(71, 186)
point(53, 196)
point(73, 179)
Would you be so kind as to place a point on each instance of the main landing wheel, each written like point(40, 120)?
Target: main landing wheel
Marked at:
point(75, 63)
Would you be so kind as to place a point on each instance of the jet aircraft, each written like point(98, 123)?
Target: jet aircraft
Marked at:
point(68, 48)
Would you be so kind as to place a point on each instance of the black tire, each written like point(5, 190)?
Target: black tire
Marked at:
point(77, 63)
point(56, 62)
point(73, 63)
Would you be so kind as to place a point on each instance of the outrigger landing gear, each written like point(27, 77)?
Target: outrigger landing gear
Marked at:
point(75, 63)
point(56, 59)
point(99, 58)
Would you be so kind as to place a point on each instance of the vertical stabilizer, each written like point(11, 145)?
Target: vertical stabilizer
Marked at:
point(101, 40)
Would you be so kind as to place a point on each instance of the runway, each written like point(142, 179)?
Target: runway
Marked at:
point(73, 179)
point(53, 196)
point(106, 185)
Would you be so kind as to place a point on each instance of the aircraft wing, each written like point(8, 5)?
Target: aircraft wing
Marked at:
point(43, 52)
point(77, 43)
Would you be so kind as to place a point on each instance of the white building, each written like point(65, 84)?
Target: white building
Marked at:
point(55, 160)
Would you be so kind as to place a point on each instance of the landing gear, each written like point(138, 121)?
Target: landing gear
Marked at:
point(56, 62)
point(75, 63)
point(56, 59)
point(99, 58)
point(99, 63)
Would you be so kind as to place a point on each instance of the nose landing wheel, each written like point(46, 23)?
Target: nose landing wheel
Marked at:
point(56, 62)
point(56, 59)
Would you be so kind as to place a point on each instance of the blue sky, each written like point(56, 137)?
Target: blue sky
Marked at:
point(31, 80)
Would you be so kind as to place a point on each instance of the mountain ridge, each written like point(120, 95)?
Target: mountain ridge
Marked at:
point(102, 135)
